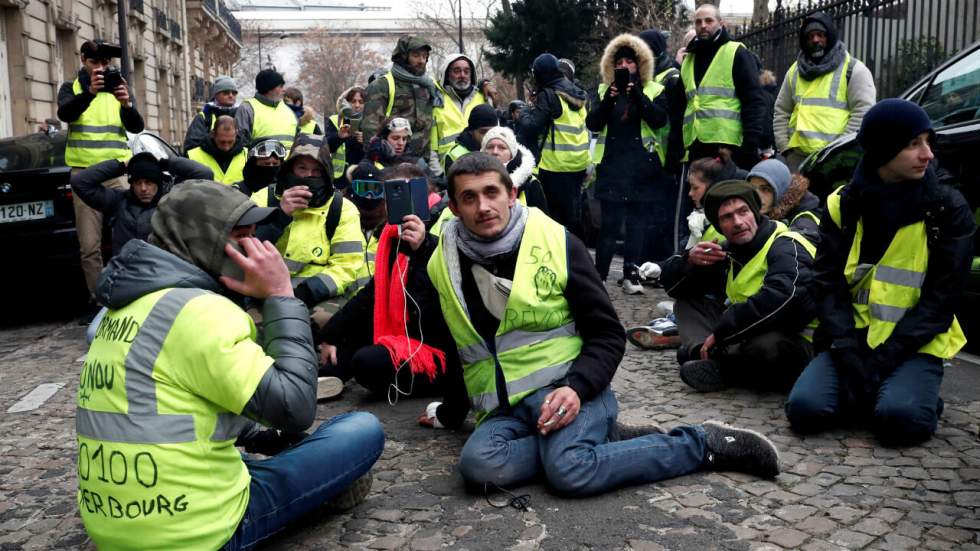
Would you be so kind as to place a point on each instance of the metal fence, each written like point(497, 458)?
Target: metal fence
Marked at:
point(899, 40)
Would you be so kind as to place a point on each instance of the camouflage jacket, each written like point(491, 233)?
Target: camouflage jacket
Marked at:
point(412, 102)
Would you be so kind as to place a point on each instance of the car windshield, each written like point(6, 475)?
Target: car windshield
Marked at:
point(954, 95)
point(33, 151)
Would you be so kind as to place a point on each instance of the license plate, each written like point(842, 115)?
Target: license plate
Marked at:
point(18, 212)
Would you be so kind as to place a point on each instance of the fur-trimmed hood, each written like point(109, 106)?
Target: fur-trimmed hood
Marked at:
point(522, 172)
point(644, 58)
point(308, 115)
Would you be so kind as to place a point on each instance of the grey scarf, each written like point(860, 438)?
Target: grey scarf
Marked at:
point(810, 69)
point(405, 75)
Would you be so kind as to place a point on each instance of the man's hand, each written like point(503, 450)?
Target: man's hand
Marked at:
point(122, 94)
point(344, 131)
point(295, 198)
point(97, 82)
point(359, 136)
point(706, 253)
point(328, 354)
point(612, 91)
point(413, 231)
point(709, 343)
point(559, 409)
point(489, 90)
point(266, 274)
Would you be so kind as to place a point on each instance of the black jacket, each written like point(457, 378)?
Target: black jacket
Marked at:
point(200, 127)
point(535, 124)
point(129, 218)
point(952, 226)
point(806, 225)
point(745, 73)
point(70, 106)
point(784, 303)
point(354, 151)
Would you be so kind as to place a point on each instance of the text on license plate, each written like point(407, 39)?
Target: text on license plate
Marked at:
point(35, 210)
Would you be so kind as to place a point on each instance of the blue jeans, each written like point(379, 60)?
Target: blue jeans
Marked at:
point(577, 460)
point(304, 477)
point(906, 408)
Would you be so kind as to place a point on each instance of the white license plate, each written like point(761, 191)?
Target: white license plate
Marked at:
point(35, 210)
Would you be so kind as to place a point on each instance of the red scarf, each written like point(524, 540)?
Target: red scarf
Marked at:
point(389, 312)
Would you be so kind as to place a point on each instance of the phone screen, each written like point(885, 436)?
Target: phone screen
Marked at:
point(622, 79)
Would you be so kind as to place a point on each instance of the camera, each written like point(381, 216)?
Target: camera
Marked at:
point(112, 78)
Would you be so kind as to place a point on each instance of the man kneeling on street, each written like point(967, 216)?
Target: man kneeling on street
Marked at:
point(743, 309)
point(157, 463)
point(540, 342)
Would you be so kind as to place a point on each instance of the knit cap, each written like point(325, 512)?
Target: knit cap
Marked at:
point(144, 166)
point(267, 79)
point(503, 134)
point(223, 84)
point(888, 127)
point(775, 173)
point(481, 116)
point(730, 189)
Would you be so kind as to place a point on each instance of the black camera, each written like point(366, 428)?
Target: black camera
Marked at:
point(111, 79)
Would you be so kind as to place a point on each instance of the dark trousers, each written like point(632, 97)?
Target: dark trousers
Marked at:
point(564, 192)
point(771, 360)
point(614, 213)
point(658, 241)
point(372, 368)
point(906, 408)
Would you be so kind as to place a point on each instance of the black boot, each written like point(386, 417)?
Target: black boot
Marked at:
point(703, 375)
point(740, 450)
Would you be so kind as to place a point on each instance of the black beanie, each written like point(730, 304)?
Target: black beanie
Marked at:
point(267, 79)
point(655, 39)
point(730, 189)
point(625, 51)
point(888, 127)
point(144, 165)
point(481, 116)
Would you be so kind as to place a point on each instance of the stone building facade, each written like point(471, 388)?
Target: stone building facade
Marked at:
point(177, 48)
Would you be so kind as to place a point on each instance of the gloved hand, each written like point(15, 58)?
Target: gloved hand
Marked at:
point(302, 292)
point(272, 441)
point(649, 270)
point(885, 358)
point(858, 381)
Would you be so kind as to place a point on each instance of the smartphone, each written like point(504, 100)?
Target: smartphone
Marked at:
point(621, 79)
point(112, 78)
point(404, 197)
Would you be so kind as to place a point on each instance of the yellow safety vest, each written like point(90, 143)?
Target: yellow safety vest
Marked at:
point(648, 136)
point(230, 176)
point(713, 113)
point(309, 254)
point(273, 123)
point(566, 147)
point(338, 159)
point(820, 112)
point(752, 275)
point(450, 121)
point(308, 128)
point(710, 234)
point(663, 133)
point(263, 196)
point(98, 134)
point(445, 216)
point(882, 293)
point(455, 153)
point(537, 341)
point(366, 273)
point(159, 403)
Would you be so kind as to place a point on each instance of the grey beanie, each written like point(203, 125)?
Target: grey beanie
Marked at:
point(775, 173)
point(223, 84)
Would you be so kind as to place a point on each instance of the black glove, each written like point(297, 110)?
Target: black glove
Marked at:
point(302, 292)
point(272, 441)
point(858, 381)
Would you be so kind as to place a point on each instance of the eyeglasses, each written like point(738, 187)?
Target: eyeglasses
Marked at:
point(369, 189)
point(268, 148)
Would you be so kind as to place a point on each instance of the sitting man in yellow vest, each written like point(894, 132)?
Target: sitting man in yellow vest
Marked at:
point(224, 96)
point(895, 254)
point(482, 118)
point(743, 310)
point(540, 342)
point(157, 463)
point(222, 152)
point(266, 116)
point(98, 120)
point(460, 96)
point(317, 231)
point(724, 103)
point(825, 94)
point(305, 115)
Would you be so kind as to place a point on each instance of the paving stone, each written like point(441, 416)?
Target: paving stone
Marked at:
point(787, 537)
point(817, 525)
point(872, 526)
point(795, 513)
point(845, 515)
point(898, 542)
point(851, 539)
point(951, 534)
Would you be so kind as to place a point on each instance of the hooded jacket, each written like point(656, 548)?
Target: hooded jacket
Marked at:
point(536, 121)
point(451, 94)
point(796, 200)
point(628, 172)
point(353, 149)
point(309, 115)
point(521, 170)
point(128, 217)
point(861, 91)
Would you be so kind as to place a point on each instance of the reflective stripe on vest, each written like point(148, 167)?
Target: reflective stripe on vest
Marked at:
point(455, 153)
point(338, 159)
point(751, 277)
point(450, 121)
point(566, 146)
point(713, 113)
point(273, 123)
point(882, 293)
point(366, 273)
point(234, 172)
point(648, 136)
point(98, 134)
point(820, 112)
point(537, 340)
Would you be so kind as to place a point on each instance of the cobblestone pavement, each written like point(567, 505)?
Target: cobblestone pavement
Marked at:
point(838, 490)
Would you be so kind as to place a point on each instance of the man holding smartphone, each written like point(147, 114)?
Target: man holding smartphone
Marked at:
point(98, 118)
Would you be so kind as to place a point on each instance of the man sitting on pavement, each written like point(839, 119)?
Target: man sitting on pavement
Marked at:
point(198, 380)
point(540, 342)
point(222, 152)
point(761, 334)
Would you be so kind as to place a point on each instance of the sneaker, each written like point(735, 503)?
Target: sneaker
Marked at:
point(632, 287)
point(328, 387)
point(647, 338)
point(664, 326)
point(664, 309)
point(353, 495)
point(628, 431)
point(703, 375)
point(741, 450)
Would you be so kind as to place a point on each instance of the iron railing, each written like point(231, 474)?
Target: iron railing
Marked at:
point(161, 19)
point(175, 30)
point(899, 40)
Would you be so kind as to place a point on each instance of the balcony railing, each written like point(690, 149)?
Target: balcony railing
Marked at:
point(161, 19)
point(220, 11)
point(135, 6)
point(175, 30)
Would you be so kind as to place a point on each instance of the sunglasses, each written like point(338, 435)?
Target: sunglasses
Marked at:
point(369, 189)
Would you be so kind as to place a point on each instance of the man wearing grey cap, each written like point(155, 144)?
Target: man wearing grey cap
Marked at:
point(224, 94)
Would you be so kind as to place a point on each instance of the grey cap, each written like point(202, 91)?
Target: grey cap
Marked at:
point(223, 84)
point(774, 172)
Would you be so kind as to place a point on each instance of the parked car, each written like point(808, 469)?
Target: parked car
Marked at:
point(951, 96)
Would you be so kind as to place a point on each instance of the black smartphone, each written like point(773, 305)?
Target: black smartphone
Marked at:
point(112, 78)
point(621, 80)
point(404, 197)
